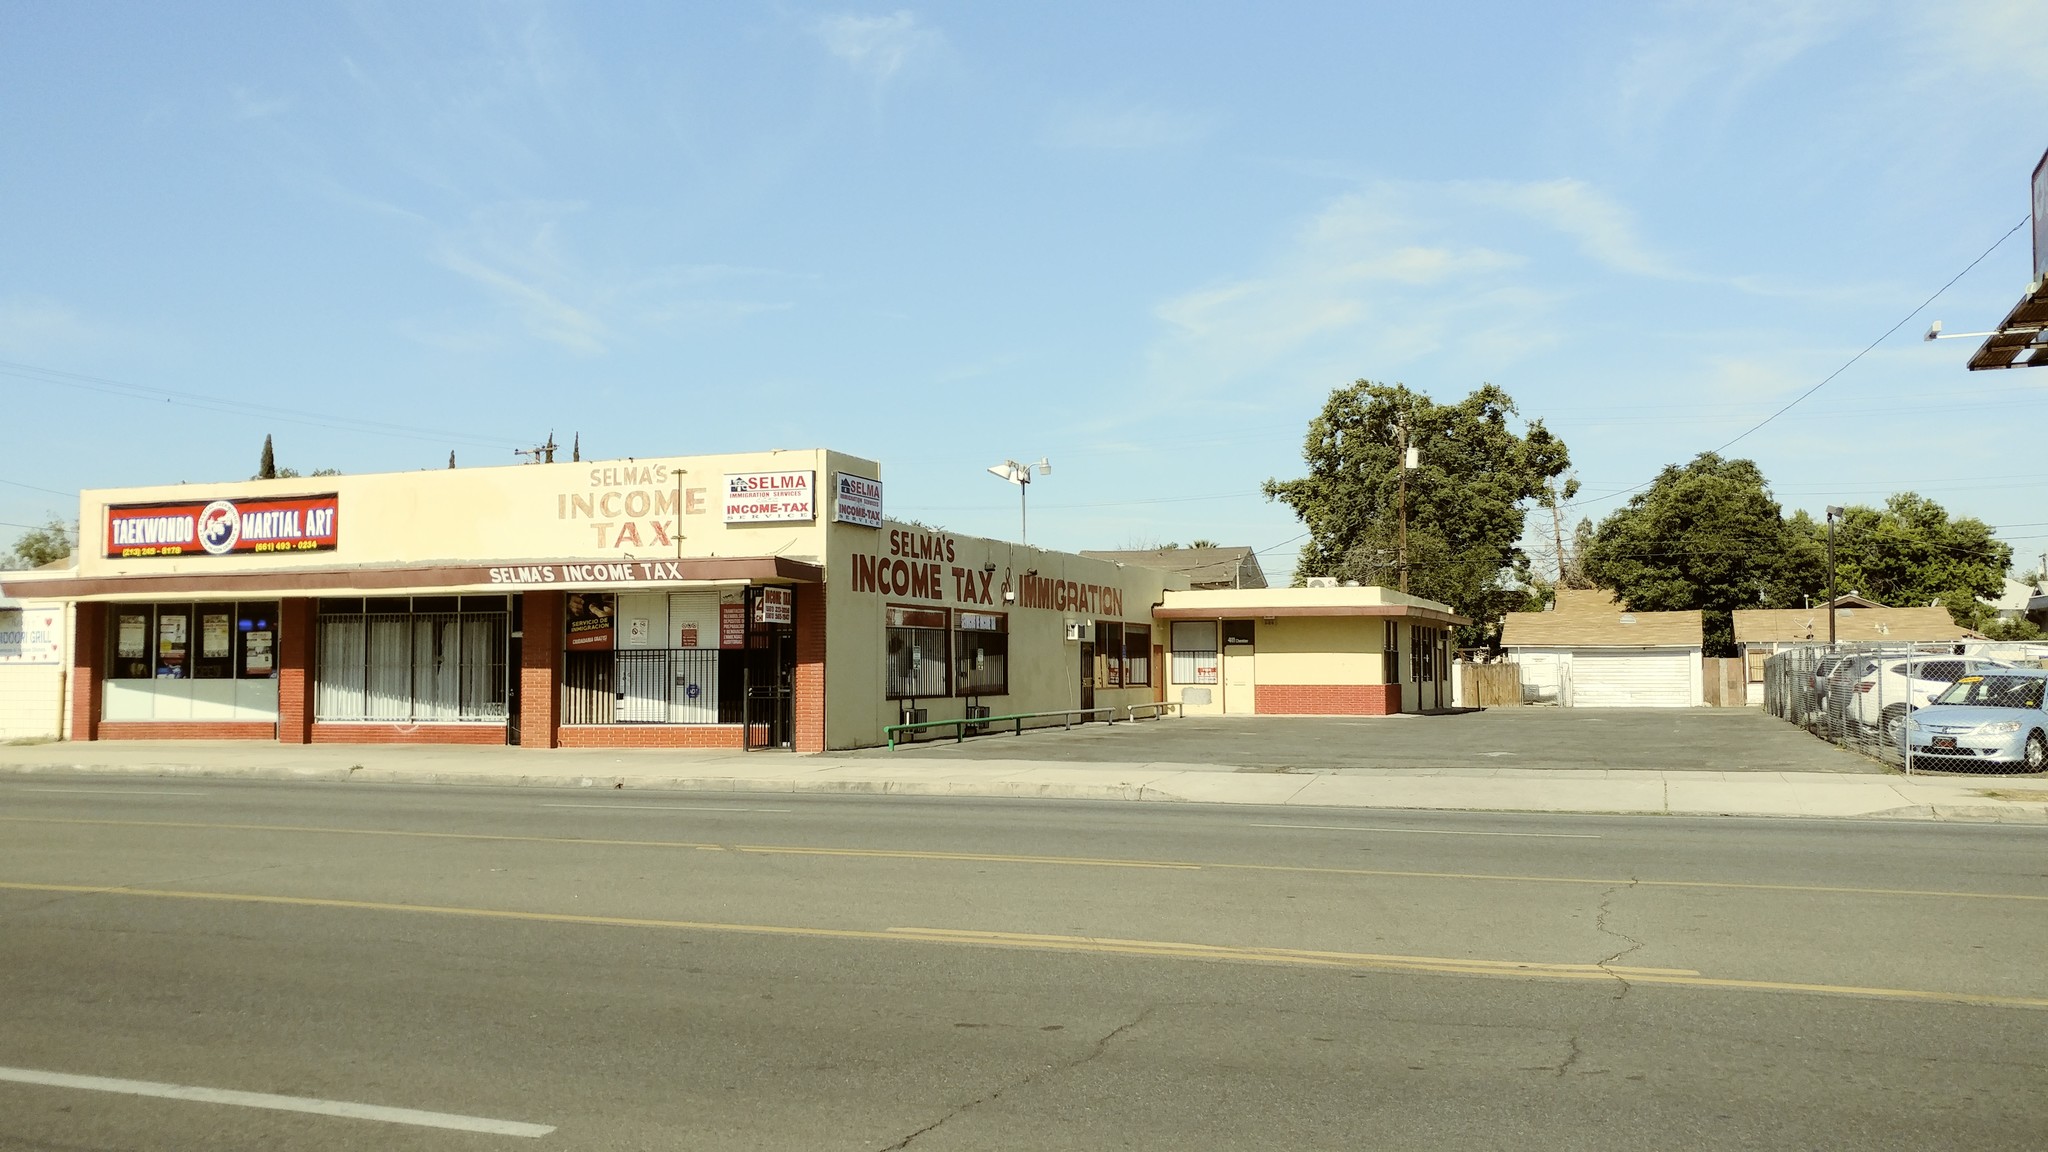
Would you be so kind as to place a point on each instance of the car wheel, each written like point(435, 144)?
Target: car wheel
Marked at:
point(1889, 722)
point(2037, 752)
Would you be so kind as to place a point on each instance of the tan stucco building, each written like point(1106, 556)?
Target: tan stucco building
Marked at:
point(747, 600)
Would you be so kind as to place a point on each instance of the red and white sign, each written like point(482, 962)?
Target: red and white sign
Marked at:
point(860, 501)
point(767, 497)
point(224, 527)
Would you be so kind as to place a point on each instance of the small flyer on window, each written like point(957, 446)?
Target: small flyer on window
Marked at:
point(256, 658)
point(133, 643)
point(214, 634)
point(171, 636)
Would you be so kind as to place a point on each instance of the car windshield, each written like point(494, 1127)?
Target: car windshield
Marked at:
point(1995, 691)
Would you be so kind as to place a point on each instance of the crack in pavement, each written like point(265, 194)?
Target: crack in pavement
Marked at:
point(1573, 1046)
point(1094, 1051)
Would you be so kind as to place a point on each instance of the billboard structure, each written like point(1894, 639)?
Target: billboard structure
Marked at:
point(2021, 339)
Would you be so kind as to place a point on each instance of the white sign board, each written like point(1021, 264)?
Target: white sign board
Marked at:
point(32, 634)
point(860, 501)
point(767, 497)
point(776, 606)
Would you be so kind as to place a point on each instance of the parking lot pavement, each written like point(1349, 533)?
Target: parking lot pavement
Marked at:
point(1666, 739)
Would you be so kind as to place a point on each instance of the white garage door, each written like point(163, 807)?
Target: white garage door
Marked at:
point(1632, 679)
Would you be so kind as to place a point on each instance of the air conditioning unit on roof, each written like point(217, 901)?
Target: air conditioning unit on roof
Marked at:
point(1322, 581)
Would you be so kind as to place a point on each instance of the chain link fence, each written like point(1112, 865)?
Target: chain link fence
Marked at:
point(1862, 696)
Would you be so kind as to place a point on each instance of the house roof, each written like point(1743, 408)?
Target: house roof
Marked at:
point(1369, 600)
point(1810, 625)
point(1204, 567)
point(2015, 597)
point(1592, 619)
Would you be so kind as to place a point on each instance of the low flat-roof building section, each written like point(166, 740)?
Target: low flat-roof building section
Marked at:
point(1588, 652)
point(1359, 651)
point(1760, 632)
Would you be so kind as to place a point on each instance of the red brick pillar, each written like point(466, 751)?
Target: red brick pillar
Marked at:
point(88, 670)
point(540, 669)
point(295, 621)
point(809, 703)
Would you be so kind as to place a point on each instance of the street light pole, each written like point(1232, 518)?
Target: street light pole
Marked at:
point(1833, 512)
point(1020, 475)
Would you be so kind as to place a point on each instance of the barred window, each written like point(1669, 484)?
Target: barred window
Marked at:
point(400, 659)
point(916, 654)
point(981, 645)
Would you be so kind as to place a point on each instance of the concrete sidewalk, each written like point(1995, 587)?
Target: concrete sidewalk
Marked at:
point(2002, 799)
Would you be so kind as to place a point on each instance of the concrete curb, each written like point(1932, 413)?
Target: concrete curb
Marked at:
point(1439, 794)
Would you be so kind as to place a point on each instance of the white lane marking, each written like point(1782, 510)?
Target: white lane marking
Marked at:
point(343, 1108)
point(110, 791)
point(1438, 831)
point(674, 807)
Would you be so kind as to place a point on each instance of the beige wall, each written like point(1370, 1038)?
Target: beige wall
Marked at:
point(1321, 650)
point(596, 510)
point(1044, 666)
point(32, 676)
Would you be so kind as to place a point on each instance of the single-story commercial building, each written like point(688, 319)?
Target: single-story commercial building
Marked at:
point(747, 600)
point(1587, 652)
point(1307, 651)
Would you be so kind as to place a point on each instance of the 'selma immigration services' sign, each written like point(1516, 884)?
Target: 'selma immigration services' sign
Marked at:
point(224, 527)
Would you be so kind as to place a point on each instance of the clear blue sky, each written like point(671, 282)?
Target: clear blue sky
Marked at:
point(1143, 240)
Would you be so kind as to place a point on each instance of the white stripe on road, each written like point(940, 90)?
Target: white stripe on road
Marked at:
point(110, 791)
point(1437, 831)
point(341, 1108)
point(674, 807)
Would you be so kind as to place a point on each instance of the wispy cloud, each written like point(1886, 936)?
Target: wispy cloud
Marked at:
point(249, 104)
point(1121, 129)
point(34, 328)
point(1717, 51)
point(1604, 229)
point(877, 47)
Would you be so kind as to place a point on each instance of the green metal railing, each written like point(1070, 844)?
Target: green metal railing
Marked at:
point(1017, 719)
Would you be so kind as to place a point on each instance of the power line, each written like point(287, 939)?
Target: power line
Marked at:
point(207, 403)
point(37, 488)
point(1846, 365)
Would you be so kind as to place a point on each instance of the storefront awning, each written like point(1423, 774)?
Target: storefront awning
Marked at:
point(399, 579)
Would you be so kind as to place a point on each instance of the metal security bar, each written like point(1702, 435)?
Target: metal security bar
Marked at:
point(642, 686)
point(437, 667)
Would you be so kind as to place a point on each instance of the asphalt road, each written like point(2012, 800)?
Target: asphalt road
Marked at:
point(1660, 739)
point(775, 972)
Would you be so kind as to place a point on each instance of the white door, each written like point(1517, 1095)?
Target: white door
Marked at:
point(1632, 679)
point(1239, 697)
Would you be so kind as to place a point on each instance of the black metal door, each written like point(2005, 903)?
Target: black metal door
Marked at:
point(770, 690)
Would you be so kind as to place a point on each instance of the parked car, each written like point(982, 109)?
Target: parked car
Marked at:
point(1902, 683)
point(1841, 688)
point(1992, 719)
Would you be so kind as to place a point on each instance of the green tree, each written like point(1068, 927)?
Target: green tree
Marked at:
point(1706, 535)
point(39, 546)
point(266, 467)
point(1466, 499)
point(1911, 552)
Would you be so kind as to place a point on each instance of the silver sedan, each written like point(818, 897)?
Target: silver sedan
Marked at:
point(1996, 719)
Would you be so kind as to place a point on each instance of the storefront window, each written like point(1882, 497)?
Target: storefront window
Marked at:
point(221, 641)
point(1137, 655)
point(1194, 651)
point(1109, 645)
point(401, 659)
point(1390, 658)
point(982, 642)
point(915, 653)
point(654, 658)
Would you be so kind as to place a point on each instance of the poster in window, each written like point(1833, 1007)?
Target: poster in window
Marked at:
point(171, 639)
point(637, 630)
point(590, 621)
point(732, 626)
point(214, 636)
point(256, 654)
point(133, 643)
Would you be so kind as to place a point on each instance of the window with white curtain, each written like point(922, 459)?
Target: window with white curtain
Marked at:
point(398, 659)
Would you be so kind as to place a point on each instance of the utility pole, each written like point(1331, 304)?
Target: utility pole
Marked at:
point(1401, 503)
point(1557, 531)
